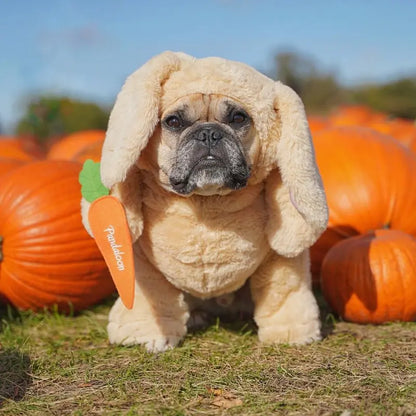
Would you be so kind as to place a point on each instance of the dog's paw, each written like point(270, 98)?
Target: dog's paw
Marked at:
point(297, 334)
point(135, 333)
point(162, 344)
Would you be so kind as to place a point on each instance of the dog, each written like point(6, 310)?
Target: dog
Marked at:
point(214, 165)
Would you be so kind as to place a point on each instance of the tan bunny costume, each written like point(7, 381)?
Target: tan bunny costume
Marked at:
point(215, 167)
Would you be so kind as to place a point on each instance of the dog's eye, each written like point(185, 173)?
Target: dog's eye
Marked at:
point(173, 122)
point(238, 118)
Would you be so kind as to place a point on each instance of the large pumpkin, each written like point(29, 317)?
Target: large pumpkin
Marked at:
point(47, 257)
point(317, 123)
point(369, 180)
point(402, 130)
point(12, 148)
point(371, 278)
point(7, 164)
point(27, 147)
point(69, 146)
point(355, 115)
point(92, 151)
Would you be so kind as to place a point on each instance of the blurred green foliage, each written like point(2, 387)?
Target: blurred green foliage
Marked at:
point(397, 98)
point(48, 117)
point(320, 90)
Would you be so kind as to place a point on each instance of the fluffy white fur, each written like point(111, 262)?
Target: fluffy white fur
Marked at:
point(210, 246)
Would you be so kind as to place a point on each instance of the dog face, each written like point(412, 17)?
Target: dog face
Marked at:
point(204, 145)
point(209, 127)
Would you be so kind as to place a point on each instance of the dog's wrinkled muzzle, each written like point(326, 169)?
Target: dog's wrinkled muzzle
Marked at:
point(209, 158)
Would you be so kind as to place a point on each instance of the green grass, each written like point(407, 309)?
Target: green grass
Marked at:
point(59, 365)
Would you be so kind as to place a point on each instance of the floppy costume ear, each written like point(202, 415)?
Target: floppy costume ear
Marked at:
point(132, 121)
point(135, 115)
point(298, 212)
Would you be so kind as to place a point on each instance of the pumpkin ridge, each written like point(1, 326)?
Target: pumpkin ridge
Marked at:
point(61, 255)
point(344, 232)
point(66, 235)
point(61, 284)
point(409, 260)
point(26, 193)
point(382, 284)
point(1, 251)
point(42, 264)
point(64, 294)
point(402, 273)
point(26, 302)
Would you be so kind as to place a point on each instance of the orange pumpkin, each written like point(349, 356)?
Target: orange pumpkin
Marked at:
point(369, 180)
point(412, 145)
point(354, 115)
point(11, 148)
point(92, 151)
point(317, 123)
point(47, 257)
point(402, 130)
point(7, 165)
point(24, 148)
point(371, 278)
point(69, 146)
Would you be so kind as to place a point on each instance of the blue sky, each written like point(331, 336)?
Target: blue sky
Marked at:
point(86, 48)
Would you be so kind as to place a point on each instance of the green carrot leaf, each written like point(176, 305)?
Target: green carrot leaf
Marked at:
point(90, 180)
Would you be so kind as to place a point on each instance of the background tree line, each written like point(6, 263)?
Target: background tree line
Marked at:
point(49, 117)
point(321, 90)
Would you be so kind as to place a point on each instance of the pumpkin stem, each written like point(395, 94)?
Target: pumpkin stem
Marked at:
point(1, 248)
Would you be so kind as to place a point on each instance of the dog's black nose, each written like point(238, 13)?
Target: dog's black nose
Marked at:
point(209, 135)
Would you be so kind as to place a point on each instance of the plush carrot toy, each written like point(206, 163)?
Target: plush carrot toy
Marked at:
point(110, 229)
